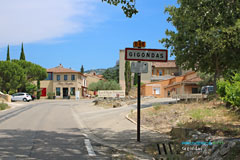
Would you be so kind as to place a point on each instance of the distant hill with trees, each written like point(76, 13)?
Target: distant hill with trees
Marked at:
point(98, 71)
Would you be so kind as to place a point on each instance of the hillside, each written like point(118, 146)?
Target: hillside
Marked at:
point(98, 71)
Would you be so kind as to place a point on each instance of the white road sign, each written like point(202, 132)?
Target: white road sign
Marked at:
point(135, 54)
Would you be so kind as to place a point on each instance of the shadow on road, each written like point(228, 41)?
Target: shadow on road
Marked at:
point(26, 144)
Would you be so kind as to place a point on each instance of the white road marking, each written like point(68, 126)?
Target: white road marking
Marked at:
point(89, 147)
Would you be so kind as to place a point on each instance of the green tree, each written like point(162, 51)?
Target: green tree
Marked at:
point(128, 6)
point(8, 54)
point(112, 74)
point(32, 71)
point(104, 85)
point(207, 79)
point(22, 56)
point(82, 69)
point(31, 88)
point(38, 89)
point(207, 35)
point(128, 78)
point(11, 75)
point(135, 79)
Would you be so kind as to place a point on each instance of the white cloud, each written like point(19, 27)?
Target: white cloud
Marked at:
point(37, 20)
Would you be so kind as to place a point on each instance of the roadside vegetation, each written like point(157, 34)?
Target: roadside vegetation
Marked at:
point(3, 106)
point(18, 75)
point(208, 117)
point(104, 85)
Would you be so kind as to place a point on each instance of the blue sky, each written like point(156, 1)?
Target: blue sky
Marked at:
point(78, 32)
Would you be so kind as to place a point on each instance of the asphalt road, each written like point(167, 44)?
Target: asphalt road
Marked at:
point(46, 130)
point(69, 130)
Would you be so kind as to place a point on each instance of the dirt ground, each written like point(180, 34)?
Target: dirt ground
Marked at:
point(208, 117)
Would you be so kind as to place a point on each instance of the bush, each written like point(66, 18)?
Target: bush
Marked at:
point(3, 106)
point(50, 95)
point(230, 91)
point(104, 85)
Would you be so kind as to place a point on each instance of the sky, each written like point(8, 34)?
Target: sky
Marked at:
point(78, 32)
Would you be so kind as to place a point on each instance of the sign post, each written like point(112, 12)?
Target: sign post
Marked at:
point(141, 54)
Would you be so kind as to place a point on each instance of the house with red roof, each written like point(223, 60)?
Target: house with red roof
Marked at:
point(64, 83)
point(184, 84)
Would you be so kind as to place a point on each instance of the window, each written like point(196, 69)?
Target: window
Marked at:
point(49, 77)
point(58, 91)
point(58, 77)
point(194, 90)
point(160, 73)
point(72, 91)
point(73, 77)
point(156, 90)
point(65, 77)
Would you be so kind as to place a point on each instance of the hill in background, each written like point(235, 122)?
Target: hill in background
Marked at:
point(98, 71)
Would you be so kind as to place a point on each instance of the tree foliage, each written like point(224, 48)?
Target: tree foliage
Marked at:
point(128, 6)
point(112, 74)
point(229, 91)
point(10, 76)
point(207, 35)
point(104, 85)
point(82, 69)
point(22, 55)
point(8, 54)
point(32, 71)
point(128, 78)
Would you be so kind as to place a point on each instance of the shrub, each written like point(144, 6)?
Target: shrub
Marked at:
point(230, 91)
point(3, 106)
point(50, 95)
point(104, 85)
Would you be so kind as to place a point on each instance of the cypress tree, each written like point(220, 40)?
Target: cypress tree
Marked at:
point(38, 89)
point(8, 54)
point(22, 57)
point(127, 77)
point(135, 81)
point(82, 69)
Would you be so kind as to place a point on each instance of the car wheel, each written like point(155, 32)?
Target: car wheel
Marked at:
point(24, 100)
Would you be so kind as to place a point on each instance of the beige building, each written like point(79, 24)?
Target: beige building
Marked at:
point(157, 71)
point(92, 78)
point(64, 83)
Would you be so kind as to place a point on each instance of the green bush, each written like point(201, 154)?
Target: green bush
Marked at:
point(230, 91)
point(104, 85)
point(50, 95)
point(3, 106)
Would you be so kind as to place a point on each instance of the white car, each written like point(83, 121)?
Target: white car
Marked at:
point(21, 97)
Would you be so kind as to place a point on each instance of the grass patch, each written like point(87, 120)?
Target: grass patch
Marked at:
point(3, 106)
point(201, 113)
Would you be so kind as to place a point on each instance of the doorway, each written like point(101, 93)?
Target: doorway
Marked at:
point(65, 92)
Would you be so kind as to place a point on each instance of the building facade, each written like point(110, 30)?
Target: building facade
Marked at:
point(92, 77)
point(185, 84)
point(64, 83)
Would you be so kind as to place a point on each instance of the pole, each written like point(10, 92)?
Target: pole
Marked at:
point(138, 107)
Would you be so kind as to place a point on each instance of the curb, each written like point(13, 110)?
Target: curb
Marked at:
point(143, 126)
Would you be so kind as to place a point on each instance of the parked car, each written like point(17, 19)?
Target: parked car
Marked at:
point(207, 90)
point(21, 97)
point(33, 97)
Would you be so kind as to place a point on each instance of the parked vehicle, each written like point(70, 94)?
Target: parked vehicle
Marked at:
point(33, 97)
point(207, 90)
point(21, 97)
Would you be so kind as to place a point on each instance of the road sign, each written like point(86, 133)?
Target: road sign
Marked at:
point(137, 54)
point(139, 67)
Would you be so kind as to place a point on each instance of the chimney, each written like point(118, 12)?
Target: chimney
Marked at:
point(60, 65)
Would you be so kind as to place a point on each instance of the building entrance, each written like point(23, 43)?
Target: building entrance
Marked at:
point(65, 92)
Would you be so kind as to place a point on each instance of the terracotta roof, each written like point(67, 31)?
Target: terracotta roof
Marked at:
point(61, 69)
point(195, 79)
point(168, 64)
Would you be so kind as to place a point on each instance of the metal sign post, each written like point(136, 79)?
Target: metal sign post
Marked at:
point(139, 53)
point(139, 107)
